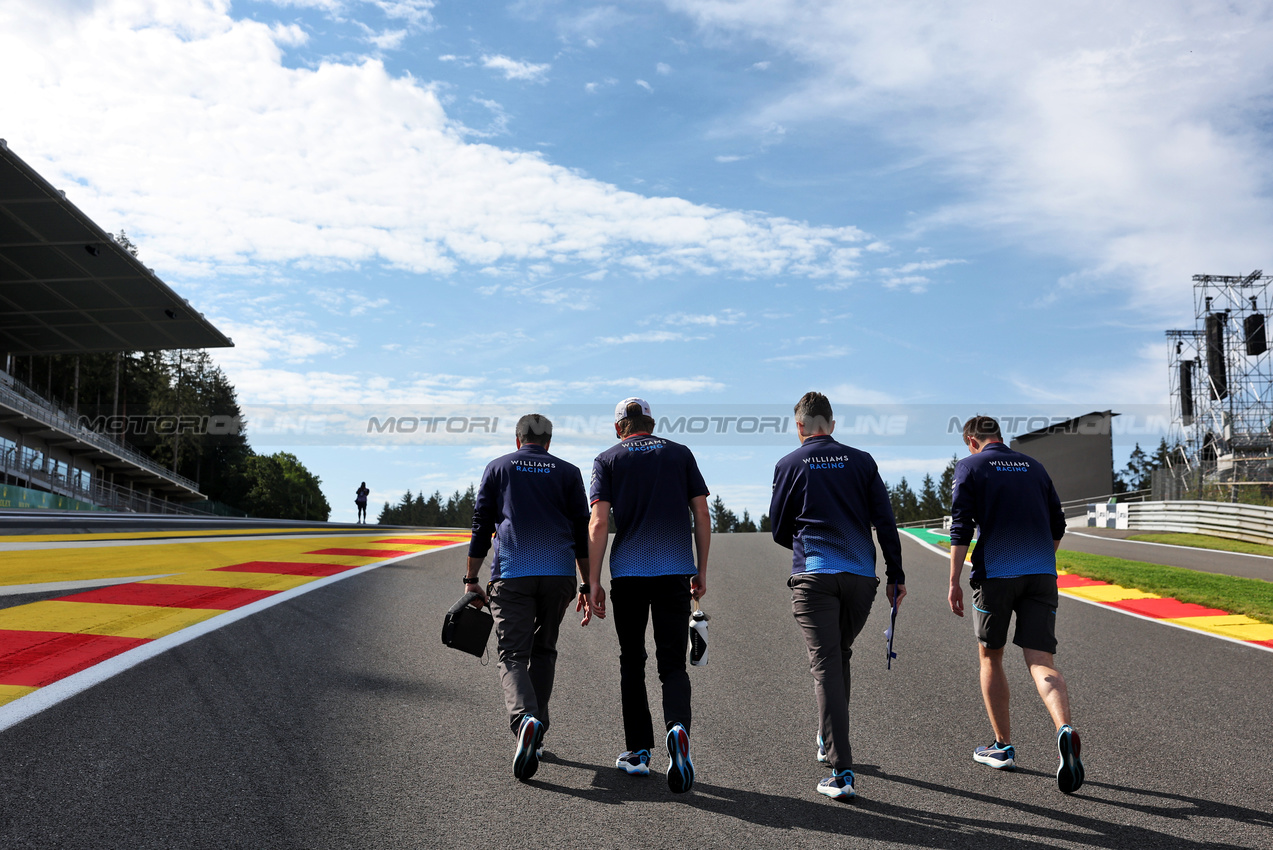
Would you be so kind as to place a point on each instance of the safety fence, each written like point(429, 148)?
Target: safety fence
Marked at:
point(1252, 523)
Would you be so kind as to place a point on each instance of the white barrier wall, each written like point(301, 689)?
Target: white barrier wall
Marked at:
point(1252, 523)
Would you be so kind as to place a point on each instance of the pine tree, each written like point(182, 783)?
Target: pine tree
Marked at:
point(724, 520)
point(930, 506)
point(905, 503)
point(946, 485)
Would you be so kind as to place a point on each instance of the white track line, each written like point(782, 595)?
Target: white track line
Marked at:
point(1107, 607)
point(167, 541)
point(85, 584)
point(50, 695)
point(1171, 545)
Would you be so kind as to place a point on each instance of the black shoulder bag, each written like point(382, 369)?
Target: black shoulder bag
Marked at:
point(467, 628)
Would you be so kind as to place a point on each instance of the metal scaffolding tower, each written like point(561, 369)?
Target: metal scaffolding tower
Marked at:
point(1221, 376)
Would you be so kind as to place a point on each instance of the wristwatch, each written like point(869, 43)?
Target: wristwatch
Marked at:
point(584, 588)
point(470, 580)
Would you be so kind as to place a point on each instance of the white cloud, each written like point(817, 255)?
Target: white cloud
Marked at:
point(512, 69)
point(761, 66)
point(1130, 138)
point(663, 68)
point(647, 337)
point(824, 353)
point(643, 84)
point(552, 389)
point(417, 13)
point(730, 158)
point(724, 317)
point(1138, 380)
point(346, 302)
point(198, 139)
point(846, 394)
point(388, 40)
point(905, 277)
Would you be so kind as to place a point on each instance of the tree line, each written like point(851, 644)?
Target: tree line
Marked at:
point(105, 389)
point(455, 512)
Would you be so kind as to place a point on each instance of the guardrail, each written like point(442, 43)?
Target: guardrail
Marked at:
point(54, 417)
point(1072, 508)
point(1252, 523)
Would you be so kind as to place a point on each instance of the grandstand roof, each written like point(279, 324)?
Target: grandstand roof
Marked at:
point(67, 287)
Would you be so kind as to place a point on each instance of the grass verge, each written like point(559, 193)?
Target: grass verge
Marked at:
point(1249, 596)
point(1206, 541)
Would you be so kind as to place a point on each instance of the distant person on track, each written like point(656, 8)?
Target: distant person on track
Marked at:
point(1010, 497)
point(535, 506)
point(360, 499)
point(826, 497)
point(654, 486)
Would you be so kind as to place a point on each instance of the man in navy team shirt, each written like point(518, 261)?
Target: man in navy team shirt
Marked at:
point(653, 484)
point(826, 497)
point(1011, 498)
point(534, 504)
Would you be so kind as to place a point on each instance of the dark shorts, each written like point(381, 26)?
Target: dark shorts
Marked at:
point(1032, 598)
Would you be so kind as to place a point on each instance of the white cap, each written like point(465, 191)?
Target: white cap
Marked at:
point(621, 409)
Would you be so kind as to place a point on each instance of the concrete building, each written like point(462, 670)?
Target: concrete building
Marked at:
point(1077, 453)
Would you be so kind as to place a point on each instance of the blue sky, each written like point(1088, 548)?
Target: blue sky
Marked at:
point(702, 202)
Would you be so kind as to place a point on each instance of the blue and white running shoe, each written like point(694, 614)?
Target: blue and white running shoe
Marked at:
point(530, 737)
point(1069, 775)
point(680, 772)
point(838, 786)
point(822, 751)
point(635, 762)
point(997, 755)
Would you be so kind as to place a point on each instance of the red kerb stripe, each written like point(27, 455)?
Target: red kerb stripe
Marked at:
point(363, 553)
point(286, 568)
point(172, 596)
point(36, 659)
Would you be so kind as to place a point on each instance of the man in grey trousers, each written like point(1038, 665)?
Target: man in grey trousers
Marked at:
point(534, 505)
point(826, 497)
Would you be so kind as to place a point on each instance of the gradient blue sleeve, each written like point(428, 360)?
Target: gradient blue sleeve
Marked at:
point(782, 519)
point(963, 522)
point(695, 486)
point(577, 506)
point(600, 490)
point(485, 512)
point(1055, 512)
point(886, 531)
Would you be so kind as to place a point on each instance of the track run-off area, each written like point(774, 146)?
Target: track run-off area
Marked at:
point(258, 685)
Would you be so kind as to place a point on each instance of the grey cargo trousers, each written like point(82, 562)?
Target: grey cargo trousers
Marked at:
point(528, 611)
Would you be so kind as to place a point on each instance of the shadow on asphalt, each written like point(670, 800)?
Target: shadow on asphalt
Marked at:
point(1195, 808)
point(909, 826)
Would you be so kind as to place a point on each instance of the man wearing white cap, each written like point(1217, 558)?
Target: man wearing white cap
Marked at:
point(650, 482)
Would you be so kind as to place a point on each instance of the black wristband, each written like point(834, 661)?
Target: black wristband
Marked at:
point(584, 588)
point(471, 580)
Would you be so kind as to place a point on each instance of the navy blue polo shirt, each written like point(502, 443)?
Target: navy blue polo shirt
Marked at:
point(649, 481)
point(534, 504)
point(826, 497)
point(1011, 498)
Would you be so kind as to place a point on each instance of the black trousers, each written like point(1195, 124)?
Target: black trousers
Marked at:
point(636, 601)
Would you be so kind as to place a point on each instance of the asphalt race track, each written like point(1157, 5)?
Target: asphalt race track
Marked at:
point(1111, 542)
point(337, 719)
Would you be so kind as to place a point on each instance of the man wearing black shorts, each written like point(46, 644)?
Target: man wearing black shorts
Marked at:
point(1010, 497)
